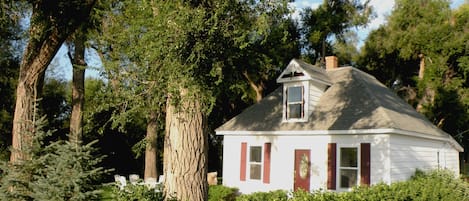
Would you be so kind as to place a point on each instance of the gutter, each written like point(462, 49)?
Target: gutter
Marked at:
point(448, 138)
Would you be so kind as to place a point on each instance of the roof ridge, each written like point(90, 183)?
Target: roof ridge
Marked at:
point(374, 97)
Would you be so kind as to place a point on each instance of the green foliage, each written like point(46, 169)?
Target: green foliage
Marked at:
point(222, 193)
point(56, 171)
point(332, 18)
point(118, 141)
point(137, 192)
point(433, 185)
point(419, 27)
point(426, 31)
point(277, 195)
point(199, 46)
point(153, 50)
point(55, 106)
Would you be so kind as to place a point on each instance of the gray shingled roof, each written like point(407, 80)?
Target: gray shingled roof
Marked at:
point(356, 100)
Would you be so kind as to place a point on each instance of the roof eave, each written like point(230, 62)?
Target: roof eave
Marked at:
point(378, 131)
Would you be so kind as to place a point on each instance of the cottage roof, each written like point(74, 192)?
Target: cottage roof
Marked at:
point(355, 101)
point(312, 72)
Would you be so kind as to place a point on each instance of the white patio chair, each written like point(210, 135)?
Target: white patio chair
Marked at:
point(121, 182)
point(133, 178)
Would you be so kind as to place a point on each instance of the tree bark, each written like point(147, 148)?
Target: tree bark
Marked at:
point(50, 26)
point(421, 66)
point(185, 150)
point(428, 96)
point(259, 89)
point(78, 88)
point(32, 66)
point(151, 152)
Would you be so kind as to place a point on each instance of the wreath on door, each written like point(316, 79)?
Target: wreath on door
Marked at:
point(304, 166)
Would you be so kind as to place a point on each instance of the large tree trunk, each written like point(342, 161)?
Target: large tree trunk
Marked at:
point(185, 150)
point(51, 24)
point(151, 152)
point(78, 87)
point(35, 61)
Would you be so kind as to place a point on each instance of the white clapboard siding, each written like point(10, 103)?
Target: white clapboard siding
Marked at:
point(315, 92)
point(408, 154)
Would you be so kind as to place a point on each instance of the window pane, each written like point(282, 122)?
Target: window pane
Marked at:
point(294, 110)
point(295, 94)
point(348, 157)
point(255, 172)
point(348, 178)
point(255, 154)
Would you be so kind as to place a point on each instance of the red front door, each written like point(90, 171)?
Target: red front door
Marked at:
point(302, 174)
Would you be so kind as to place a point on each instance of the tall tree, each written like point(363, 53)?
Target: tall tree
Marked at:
point(417, 27)
point(424, 48)
point(128, 48)
point(331, 18)
point(51, 23)
point(78, 85)
point(10, 14)
point(198, 45)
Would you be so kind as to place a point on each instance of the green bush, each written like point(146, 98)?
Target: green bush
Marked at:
point(319, 195)
point(433, 185)
point(277, 195)
point(137, 193)
point(56, 171)
point(222, 193)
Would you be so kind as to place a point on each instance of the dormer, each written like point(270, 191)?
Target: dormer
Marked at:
point(303, 85)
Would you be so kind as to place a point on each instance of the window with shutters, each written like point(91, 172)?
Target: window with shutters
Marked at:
point(255, 162)
point(348, 167)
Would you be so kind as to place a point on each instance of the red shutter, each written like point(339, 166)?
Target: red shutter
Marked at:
point(331, 166)
point(365, 164)
point(242, 168)
point(266, 177)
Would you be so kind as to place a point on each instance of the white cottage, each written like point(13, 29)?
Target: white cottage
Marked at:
point(330, 129)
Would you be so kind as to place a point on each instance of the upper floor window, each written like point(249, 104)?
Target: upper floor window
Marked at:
point(295, 102)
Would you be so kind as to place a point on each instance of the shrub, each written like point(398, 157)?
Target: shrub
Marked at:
point(278, 195)
point(222, 193)
point(56, 171)
point(137, 193)
point(319, 195)
point(433, 185)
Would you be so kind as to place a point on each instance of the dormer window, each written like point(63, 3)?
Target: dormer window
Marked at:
point(303, 85)
point(295, 102)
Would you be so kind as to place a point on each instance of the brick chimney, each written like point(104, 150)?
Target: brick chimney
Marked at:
point(331, 62)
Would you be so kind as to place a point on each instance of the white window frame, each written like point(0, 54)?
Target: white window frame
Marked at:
point(340, 168)
point(304, 103)
point(249, 163)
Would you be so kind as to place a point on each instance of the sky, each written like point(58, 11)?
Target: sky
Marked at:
point(61, 66)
